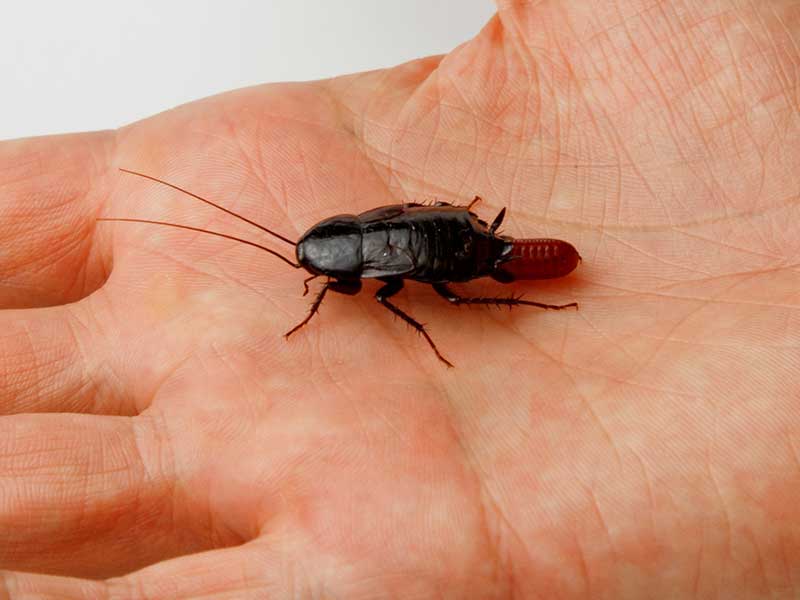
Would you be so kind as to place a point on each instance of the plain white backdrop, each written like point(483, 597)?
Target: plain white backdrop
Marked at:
point(94, 64)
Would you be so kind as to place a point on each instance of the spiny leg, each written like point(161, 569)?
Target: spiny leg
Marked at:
point(449, 295)
point(342, 287)
point(305, 283)
point(390, 289)
point(311, 313)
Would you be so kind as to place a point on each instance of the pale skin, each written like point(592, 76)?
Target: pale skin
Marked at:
point(161, 439)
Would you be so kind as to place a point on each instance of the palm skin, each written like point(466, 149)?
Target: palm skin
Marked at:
point(644, 446)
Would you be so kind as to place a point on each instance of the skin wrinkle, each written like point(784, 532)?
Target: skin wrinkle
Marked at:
point(169, 474)
point(584, 568)
point(489, 149)
point(618, 144)
point(733, 113)
point(407, 131)
point(713, 77)
point(650, 359)
point(470, 462)
point(759, 346)
point(368, 109)
point(619, 346)
point(699, 570)
point(212, 531)
point(400, 116)
point(474, 144)
point(535, 88)
point(564, 369)
point(433, 80)
point(752, 272)
point(104, 370)
point(657, 259)
point(665, 100)
point(595, 506)
point(35, 389)
point(783, 75)
point(709, 464)
point(87, 385)
point(596, 124)
point(790, 572)
point(747, 533)
point(708, 299)
point(692, 87)
point(503, 564)
point(723, 244)
point(250, 167)
point(623, 23)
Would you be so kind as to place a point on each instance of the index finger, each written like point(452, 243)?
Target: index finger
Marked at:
point(51, 189)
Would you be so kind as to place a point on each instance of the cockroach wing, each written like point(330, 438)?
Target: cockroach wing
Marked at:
point(386, 253)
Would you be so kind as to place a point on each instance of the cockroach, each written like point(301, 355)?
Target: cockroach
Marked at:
point(437, 244)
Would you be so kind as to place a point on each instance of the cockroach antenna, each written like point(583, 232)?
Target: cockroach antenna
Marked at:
point(209, 232)
point(210, 203)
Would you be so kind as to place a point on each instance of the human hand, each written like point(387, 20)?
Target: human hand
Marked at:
point(644, 446)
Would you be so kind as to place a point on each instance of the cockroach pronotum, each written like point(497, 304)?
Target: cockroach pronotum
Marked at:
point(437, 243)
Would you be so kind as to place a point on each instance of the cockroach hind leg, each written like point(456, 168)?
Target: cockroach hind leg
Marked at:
point(474, 201)
point(453, 298)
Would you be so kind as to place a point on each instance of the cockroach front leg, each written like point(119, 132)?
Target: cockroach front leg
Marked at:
point(449, 295)
point(390, 289)
point(305, 284)
point(342, 287)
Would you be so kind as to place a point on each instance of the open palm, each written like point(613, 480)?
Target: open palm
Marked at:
point(644, 446)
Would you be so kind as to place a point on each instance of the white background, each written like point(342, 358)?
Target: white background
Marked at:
point(94, 64)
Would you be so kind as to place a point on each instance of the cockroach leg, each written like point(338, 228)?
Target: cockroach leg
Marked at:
point(449, 295)
point(390, 289)
point(475, 200)
point(311, 313)
point(342, 287)
point(305, 284)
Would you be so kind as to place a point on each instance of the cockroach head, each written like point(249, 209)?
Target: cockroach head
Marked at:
point(332, 247)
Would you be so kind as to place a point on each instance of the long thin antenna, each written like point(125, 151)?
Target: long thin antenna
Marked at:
point(216, 233)
point(209, 202)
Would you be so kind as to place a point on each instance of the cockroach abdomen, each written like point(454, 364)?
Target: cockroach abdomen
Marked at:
point(541, 259)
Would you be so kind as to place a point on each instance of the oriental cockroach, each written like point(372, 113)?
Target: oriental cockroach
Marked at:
point(436, 244)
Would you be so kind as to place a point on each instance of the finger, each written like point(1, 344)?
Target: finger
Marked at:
point(51, 360)
point(51, 189)
point(248, 571)
point(25, 586)
point(91, 496)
